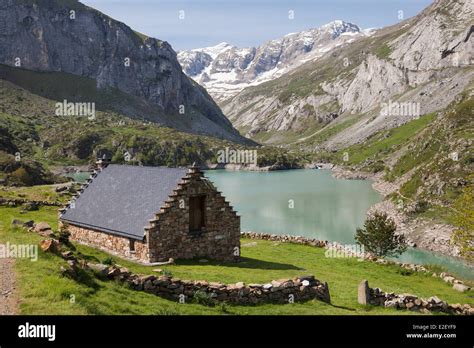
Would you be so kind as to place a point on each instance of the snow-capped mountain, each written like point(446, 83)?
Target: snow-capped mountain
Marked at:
point(224, 70)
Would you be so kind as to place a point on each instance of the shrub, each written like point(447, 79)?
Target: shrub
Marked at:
point(109, 261)
point(421, 206)
point(378, 236)
point(202, 297)
point(167, 273)
point(405, 272)
point(21, 177)
point(376, 167)
point(64, 237)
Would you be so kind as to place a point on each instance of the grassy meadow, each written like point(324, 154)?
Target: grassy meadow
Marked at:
point(42, 289)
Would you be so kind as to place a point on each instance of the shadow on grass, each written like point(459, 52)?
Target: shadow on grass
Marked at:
point(89, 258)
point(85, 278)
point(343, 307)
point(245, 262)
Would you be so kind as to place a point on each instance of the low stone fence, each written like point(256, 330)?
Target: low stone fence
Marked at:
point(13, 202)
point(298, 289)
point(377, 297)
point(278, 291)
point(285, 238)
point(458, 285)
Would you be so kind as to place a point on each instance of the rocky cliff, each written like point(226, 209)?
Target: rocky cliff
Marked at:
point(68, 37)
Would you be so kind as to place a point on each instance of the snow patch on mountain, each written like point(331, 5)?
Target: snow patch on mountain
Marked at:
point(225, 70)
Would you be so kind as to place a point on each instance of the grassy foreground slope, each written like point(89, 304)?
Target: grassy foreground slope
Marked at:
point(42, 290)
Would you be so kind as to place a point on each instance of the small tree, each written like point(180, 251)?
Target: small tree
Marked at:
point(378, 236)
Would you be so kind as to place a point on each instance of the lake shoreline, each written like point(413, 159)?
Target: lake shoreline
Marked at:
point(342, 249)
point(420, 233)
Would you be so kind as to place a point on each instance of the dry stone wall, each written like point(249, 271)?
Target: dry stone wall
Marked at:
point(281, 291)
point(113, 244)
point(285, 238)
point(377, 297)
point(14, 202)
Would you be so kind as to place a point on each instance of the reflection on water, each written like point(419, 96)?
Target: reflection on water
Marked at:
point(310, 203)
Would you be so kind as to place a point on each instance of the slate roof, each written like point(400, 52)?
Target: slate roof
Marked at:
point(121, 199)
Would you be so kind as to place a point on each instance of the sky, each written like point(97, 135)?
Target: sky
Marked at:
point(188, 24)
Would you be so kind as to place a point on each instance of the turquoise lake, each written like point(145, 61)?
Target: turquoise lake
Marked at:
point(311, 203)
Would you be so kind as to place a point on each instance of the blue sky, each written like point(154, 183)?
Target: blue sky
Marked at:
point(247, 22)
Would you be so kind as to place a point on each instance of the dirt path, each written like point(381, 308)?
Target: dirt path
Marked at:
point(8, 298)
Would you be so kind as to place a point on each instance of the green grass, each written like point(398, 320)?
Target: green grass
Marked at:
point(387, 141)
point(410, 187)
point(34, 193)
point(44, 291)
point(330, 130)
point(411, 160)
point(383, 52)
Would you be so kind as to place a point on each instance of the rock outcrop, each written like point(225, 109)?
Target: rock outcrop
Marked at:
point(135, 75)
point(424, 62)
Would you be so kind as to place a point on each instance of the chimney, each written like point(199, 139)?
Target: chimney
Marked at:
point(102, 162)
point(194, 170)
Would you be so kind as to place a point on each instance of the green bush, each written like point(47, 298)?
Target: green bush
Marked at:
point(21, 177)
point(202, 297)
point(109, 261)
point(405, 272)
point(378, 236)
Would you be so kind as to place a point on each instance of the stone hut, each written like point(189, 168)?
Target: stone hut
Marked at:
point(151, 214)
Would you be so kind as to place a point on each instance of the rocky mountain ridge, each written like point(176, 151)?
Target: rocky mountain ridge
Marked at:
point(67, 37)
point(224, 70)
point(336, 100)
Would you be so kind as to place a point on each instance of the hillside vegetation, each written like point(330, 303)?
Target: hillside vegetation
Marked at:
point(431, 158)
point(30, 128)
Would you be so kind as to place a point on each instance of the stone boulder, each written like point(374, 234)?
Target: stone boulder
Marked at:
point(449, 279)
point(17, 223)
point(61, 188)
point(100, 269)
point(461, 287)
point(43, 228)
point(363, 292)
point(20, 223)
point(30, 206)
point(29, 223)
point(50, 246)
